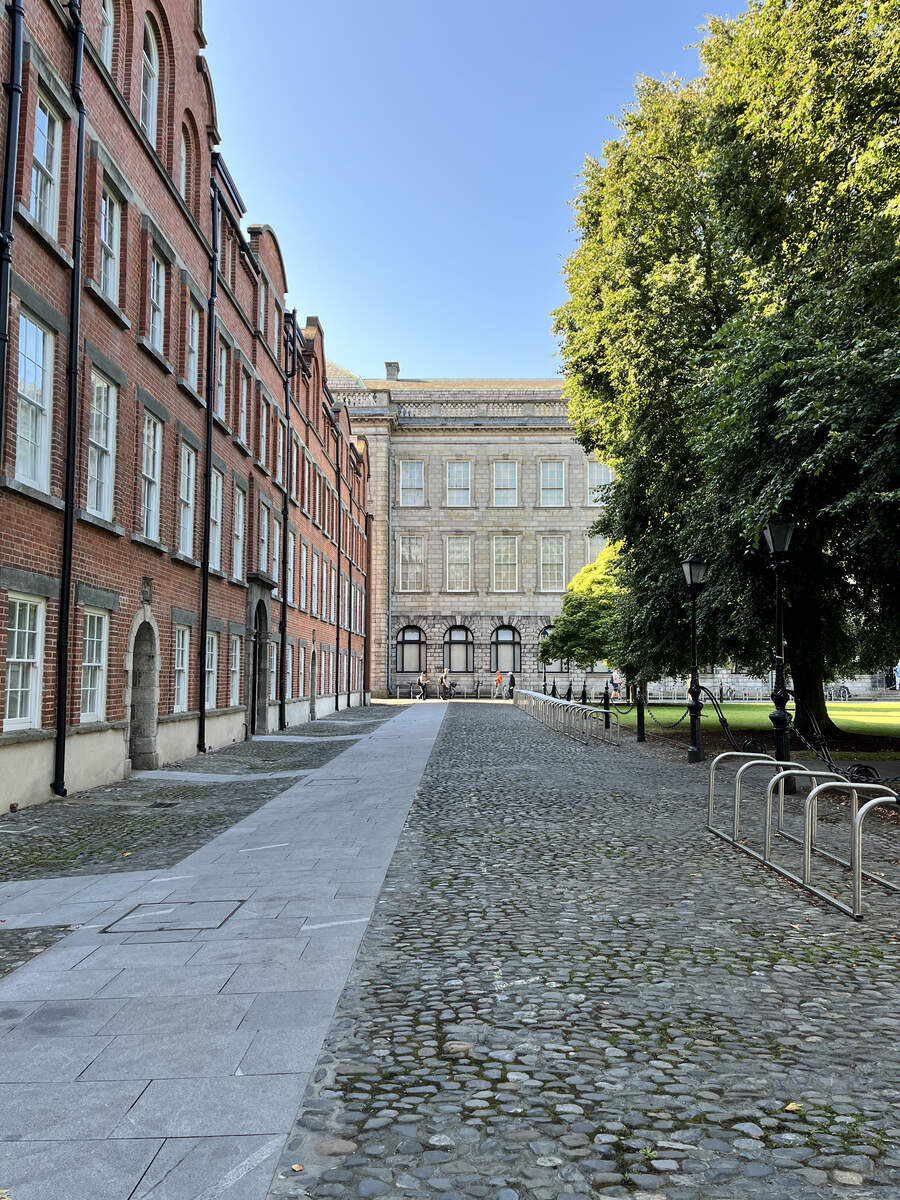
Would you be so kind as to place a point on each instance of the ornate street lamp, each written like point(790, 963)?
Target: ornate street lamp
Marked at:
point(778, 536)
point(694, 573)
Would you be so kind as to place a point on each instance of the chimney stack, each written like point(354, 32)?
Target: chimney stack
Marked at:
point(392, 370)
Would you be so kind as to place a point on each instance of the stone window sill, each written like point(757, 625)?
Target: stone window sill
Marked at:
point(190, 390)
point(157, 355)
point(90, 518)
point(158, 547)
point(48, 238)
point(111, 307)
point(185, 559)
point(33, 493)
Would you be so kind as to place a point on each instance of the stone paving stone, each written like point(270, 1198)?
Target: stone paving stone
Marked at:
point(568, 988)
point(49, 1059)
point(212, 1107)
point(59, 1112)
point(51, 1170)
point(144, 1056)
point(231, 1168)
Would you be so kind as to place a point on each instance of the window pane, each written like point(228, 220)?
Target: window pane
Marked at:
point(459, 564)
point(458, 491)
point(552, 483)
point(506, 484)
point(412, 564)
point(506, 565)
point(553, 564)
point(412, 483)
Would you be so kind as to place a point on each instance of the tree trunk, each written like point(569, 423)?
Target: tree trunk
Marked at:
point(810, 700)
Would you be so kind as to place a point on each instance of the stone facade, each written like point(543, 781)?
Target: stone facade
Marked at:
point(481, 502)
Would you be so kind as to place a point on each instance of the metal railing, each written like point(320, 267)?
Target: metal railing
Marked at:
point(822, 782)
point(578, 721)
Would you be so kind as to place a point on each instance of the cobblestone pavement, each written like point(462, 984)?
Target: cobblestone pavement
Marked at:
point(570, 989)
point(150, 823)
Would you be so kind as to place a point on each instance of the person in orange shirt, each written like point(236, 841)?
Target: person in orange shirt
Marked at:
point(498, 687)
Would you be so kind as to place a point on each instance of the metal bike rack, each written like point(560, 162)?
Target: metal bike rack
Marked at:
point(580, 722)
point(831, 782)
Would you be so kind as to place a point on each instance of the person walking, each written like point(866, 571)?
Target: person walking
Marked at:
point(445, 687)
point(497, 693)
point(897, 675)
point(511, 686)
point(422, 681)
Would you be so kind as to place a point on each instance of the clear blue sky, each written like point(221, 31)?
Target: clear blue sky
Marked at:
point(417, 159)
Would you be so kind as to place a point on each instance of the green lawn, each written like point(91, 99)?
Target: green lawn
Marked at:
point(876, 719)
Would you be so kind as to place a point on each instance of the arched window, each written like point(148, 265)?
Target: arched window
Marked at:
point(557, 664)
point(506, 649)
point(184, 164)
point(107, 30)
point(149, 83)
point(459, 649)
point(411, 649)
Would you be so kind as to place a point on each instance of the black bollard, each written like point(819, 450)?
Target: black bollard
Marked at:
point(553, 692)
point(584, 692)
point(569, 691)
point(606, 706)
point(639, 700)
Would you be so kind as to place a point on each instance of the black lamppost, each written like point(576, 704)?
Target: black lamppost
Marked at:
point(778, 536)
point(694, 572)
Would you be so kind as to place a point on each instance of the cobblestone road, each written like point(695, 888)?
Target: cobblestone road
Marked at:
point(570, 990)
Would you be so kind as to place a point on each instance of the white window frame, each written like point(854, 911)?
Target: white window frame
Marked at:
point(455, 582)
point(276, 552)
point(107, 30)
point(151, 469)
point(304, 567)
point(273, 672)
point(93, 670)
point(149, 116)
point(182, 657)
point(221, 378)
point(546, 488)
point(32, 660)
point(234, 672)
point(289, 671)
point(211, 671)
point(110, 244)
point(501, 543)
point(498, 488)
point(101, 447)
point(45, 166)
point(595, 468)
point(187, 490)
point(192, 343)
point(237, 534)
point(291, 554)
point(407, 491)
point(301, 671)
point(263, 430)
point(216, 492)
point(545, 564)
point(410, 566)
point(182, 166)
point(35, 402)
point(263, 538)
point(458, 495)
point(314, 598)
point(242, 413)
point(333, 613)
point(157, 302)
point(279, 452)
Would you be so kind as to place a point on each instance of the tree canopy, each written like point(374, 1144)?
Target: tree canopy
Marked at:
point(731, 341)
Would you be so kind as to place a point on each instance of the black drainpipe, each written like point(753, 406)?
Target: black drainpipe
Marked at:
point(290, 370)
point(65, 576)
point(13, 89)
point(367, 623)
point(211, 336)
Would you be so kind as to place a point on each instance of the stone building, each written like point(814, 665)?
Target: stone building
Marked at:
point(183, 533)
point(481, 501)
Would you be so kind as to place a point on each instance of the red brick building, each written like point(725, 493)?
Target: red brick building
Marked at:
point(183, 534)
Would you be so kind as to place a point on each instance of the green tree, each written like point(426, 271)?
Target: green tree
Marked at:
point(587, 629)
point(732, 345)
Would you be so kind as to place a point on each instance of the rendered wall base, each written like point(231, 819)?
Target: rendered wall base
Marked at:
point(92, 758)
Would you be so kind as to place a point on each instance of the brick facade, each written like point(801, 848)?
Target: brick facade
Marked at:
point(138, 678)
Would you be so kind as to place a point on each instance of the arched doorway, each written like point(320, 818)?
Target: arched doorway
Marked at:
point(144, 699)
point(313, 681)
point(259, 686)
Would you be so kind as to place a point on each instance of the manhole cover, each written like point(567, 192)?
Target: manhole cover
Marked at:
point(147, 918)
